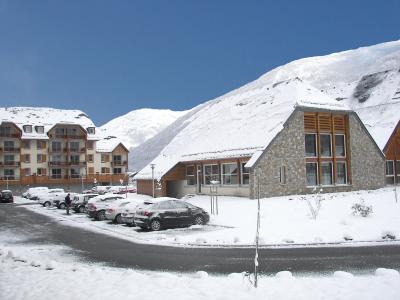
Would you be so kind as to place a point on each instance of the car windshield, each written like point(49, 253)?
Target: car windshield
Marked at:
point(6, 193)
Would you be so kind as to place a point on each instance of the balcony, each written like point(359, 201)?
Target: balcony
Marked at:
point(69, 136)
point(58, 150)
point(10, 150)
point(10, 135)
point(67, 163)
point(116, 163)
point(9, 177)
point(10, 164)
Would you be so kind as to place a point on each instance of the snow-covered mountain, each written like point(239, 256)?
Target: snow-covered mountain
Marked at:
point(365, 79)
point(137, 126)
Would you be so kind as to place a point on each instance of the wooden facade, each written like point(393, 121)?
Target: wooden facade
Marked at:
point(392, 154)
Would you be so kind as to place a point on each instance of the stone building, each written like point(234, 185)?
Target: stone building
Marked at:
point(304, 140)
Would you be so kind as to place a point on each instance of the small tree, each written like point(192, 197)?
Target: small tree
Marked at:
point(314, 202)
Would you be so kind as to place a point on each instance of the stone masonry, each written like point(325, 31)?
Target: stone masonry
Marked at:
point(287, 149)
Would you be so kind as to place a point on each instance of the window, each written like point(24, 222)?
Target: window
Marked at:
point(340, 147)
point(326, 145)
point(190, 175)
point(326, 173)
point(74, 159)
point(9, 159)
point(105, 170)
point(55, 173)
point(75, 173)
point(311, 145)
point(27, 128)
point(26, 158)
point(9, 146)
point(39, 129)
point(26, 172)
point(40, 145)
point(282, 175)
point(341, 174)
point(60, 131)
point(117, 171)
point(245, 174)
point(5, 131)
point(41, 158)
point(117, 159)
point(9, 174)
point(105, 158)
point(230, 173)
point(26, 144)
point(210, 173)
point(312, 174)
point(90, 158)
point(41, 172)
point(91, 170)
point(90, 130)
point(56, 146)
point(389, 168)
point(74, 146)
point(72, 131)
point(90, 145)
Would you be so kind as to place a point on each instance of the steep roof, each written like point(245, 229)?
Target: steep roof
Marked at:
point(240, 123)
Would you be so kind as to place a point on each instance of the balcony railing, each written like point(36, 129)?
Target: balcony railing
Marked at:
point(9, 177)
point(10, 135)
point(10, 164)
point(69, 136)
point(66, 163)
point(9, 149)
point(119, 163)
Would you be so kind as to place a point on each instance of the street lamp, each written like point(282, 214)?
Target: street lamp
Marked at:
point(152, 177)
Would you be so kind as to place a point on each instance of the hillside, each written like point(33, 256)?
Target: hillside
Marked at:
point(358, 79)
point(137, 126)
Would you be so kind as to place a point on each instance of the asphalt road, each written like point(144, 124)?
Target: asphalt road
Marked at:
point(96, 247)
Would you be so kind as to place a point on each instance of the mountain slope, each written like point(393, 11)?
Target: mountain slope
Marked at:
point(137, 126)
point(358, 79)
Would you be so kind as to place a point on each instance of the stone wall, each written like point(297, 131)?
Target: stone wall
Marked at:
point(287, 149)
point(367, 165)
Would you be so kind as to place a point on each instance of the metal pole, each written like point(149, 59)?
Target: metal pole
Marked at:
point(257, 232)
point(152, 178)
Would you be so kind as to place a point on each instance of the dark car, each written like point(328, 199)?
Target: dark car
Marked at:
point(6, 196)
point(169, 214)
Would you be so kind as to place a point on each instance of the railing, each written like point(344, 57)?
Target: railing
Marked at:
point(9, 149)
point(67, 163)
point(10, 163)
point(5, 178)
point(69, 136)
point(119, 163)
point(10, 135)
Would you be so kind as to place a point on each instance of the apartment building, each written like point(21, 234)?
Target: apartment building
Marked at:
point(44, 146)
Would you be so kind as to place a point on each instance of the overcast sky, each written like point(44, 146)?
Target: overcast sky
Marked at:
point(110, 57)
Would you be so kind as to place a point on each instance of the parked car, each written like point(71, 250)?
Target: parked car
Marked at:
point(128, 213)
point(115, 209)
point(47, 199)
point(96, 207)
point(169, 214)
point(80, 201)
point(46, 194)
point(59, 199)
point(126, 189)
point(33, 190)
point(6, 196)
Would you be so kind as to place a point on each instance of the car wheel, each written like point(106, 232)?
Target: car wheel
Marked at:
point(61, 206)
point(101, 216)
point(199, 220)
point(155, 225)
point(81, 209)
point(118, 219)
point(47, 204)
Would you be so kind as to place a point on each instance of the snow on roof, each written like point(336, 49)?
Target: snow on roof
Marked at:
point(43, 116)
point(239, 123)
point(108, 144)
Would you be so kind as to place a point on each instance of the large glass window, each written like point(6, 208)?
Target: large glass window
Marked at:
point(56, 173)
point(326, 145)
point(340, 148)
point(230, 173)
point(311, 145)
point(312, 174)
point(5, 131)
point(389, 168)
point(9, 159)
point(74, 159)
point(9, 173)
point(326, 173)
point(56, 146)
point(117, 171)
point(341, 174)
point(245, 174)
point(8, 145)
point(210, 173)
point(75, 173)
point(74, 146)
point(190, 178)
point(282, 175)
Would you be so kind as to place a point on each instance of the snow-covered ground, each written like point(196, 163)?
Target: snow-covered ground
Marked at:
point(29, 271)
point(285, 221)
